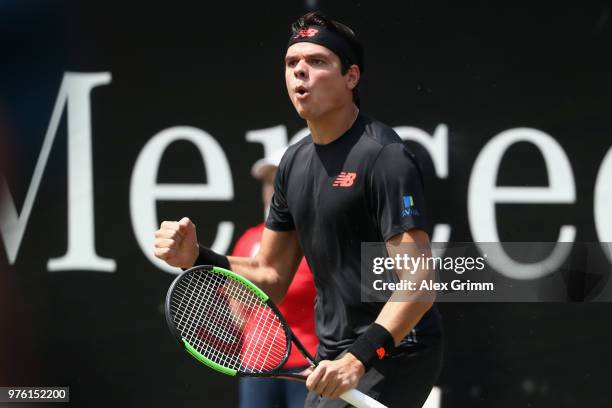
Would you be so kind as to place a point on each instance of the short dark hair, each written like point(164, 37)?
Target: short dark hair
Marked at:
point(318, 19)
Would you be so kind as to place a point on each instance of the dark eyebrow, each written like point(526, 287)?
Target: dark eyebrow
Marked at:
point(310, 56)
point(317, 55)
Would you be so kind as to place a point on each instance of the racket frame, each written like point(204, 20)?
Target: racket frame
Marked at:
point(277, 372)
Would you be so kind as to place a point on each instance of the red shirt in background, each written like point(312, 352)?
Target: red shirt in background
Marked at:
point(298, 305)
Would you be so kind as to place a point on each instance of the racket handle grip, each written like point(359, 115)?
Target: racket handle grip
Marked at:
point(359, 400)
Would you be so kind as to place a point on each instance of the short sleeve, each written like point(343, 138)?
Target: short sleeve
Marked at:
point(396, 192)
point(279, 217)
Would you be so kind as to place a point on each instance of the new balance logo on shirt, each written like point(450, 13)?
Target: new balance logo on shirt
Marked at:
point(344, 179)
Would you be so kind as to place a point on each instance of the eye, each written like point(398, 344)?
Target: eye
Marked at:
point(291, 63)
point(317, 61)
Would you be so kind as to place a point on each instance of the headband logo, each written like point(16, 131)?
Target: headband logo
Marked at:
point(306, 32)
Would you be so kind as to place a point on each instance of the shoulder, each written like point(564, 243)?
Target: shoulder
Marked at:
point(379, 133)
point(389, 152)
point(292, 152)
point(294, 149)
point(378, 139)
point(385, 145)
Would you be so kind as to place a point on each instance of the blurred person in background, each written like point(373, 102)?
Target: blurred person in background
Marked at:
point(297, 307)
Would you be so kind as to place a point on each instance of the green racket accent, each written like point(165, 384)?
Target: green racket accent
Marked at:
point(244, 281)
point(206, 361)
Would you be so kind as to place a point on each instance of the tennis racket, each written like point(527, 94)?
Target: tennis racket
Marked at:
point(229, 324)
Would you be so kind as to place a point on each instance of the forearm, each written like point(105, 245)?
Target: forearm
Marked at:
point(272, 269)
point(394, 322)
point(404, 309)
point(265, 276)
point(400, 317)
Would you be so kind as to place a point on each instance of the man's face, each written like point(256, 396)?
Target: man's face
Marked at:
point(314, 80)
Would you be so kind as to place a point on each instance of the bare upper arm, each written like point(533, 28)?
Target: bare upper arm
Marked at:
point(405, 308)
point(415, 235)
point(281, 251)
point(414, 243)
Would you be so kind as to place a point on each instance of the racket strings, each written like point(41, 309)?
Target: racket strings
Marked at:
point(227, 323)
point(207, 320)
point(265, 344)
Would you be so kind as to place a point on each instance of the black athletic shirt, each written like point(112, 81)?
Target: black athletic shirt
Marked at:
point(362, 187)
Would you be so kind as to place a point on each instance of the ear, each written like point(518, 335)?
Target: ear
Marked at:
point(352, 77)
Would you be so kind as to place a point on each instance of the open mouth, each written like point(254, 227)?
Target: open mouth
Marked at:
point(301, 91)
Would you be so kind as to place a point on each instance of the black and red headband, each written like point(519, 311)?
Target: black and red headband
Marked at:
point(328, 39)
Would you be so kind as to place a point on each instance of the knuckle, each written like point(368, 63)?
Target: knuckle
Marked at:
point(160, 243)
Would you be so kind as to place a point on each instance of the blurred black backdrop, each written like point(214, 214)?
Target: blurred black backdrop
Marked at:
point(478, 69)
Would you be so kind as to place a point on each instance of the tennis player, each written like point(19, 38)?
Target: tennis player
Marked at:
point(351, 181)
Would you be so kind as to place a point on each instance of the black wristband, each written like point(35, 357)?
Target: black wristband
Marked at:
point(207, 256)
point(372, 345)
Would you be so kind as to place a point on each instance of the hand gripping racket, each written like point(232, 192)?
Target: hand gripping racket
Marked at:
point(230, 325)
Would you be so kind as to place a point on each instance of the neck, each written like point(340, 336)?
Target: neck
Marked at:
point(327, 128)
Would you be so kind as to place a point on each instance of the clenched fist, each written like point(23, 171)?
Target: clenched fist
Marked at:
point(176, 243)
